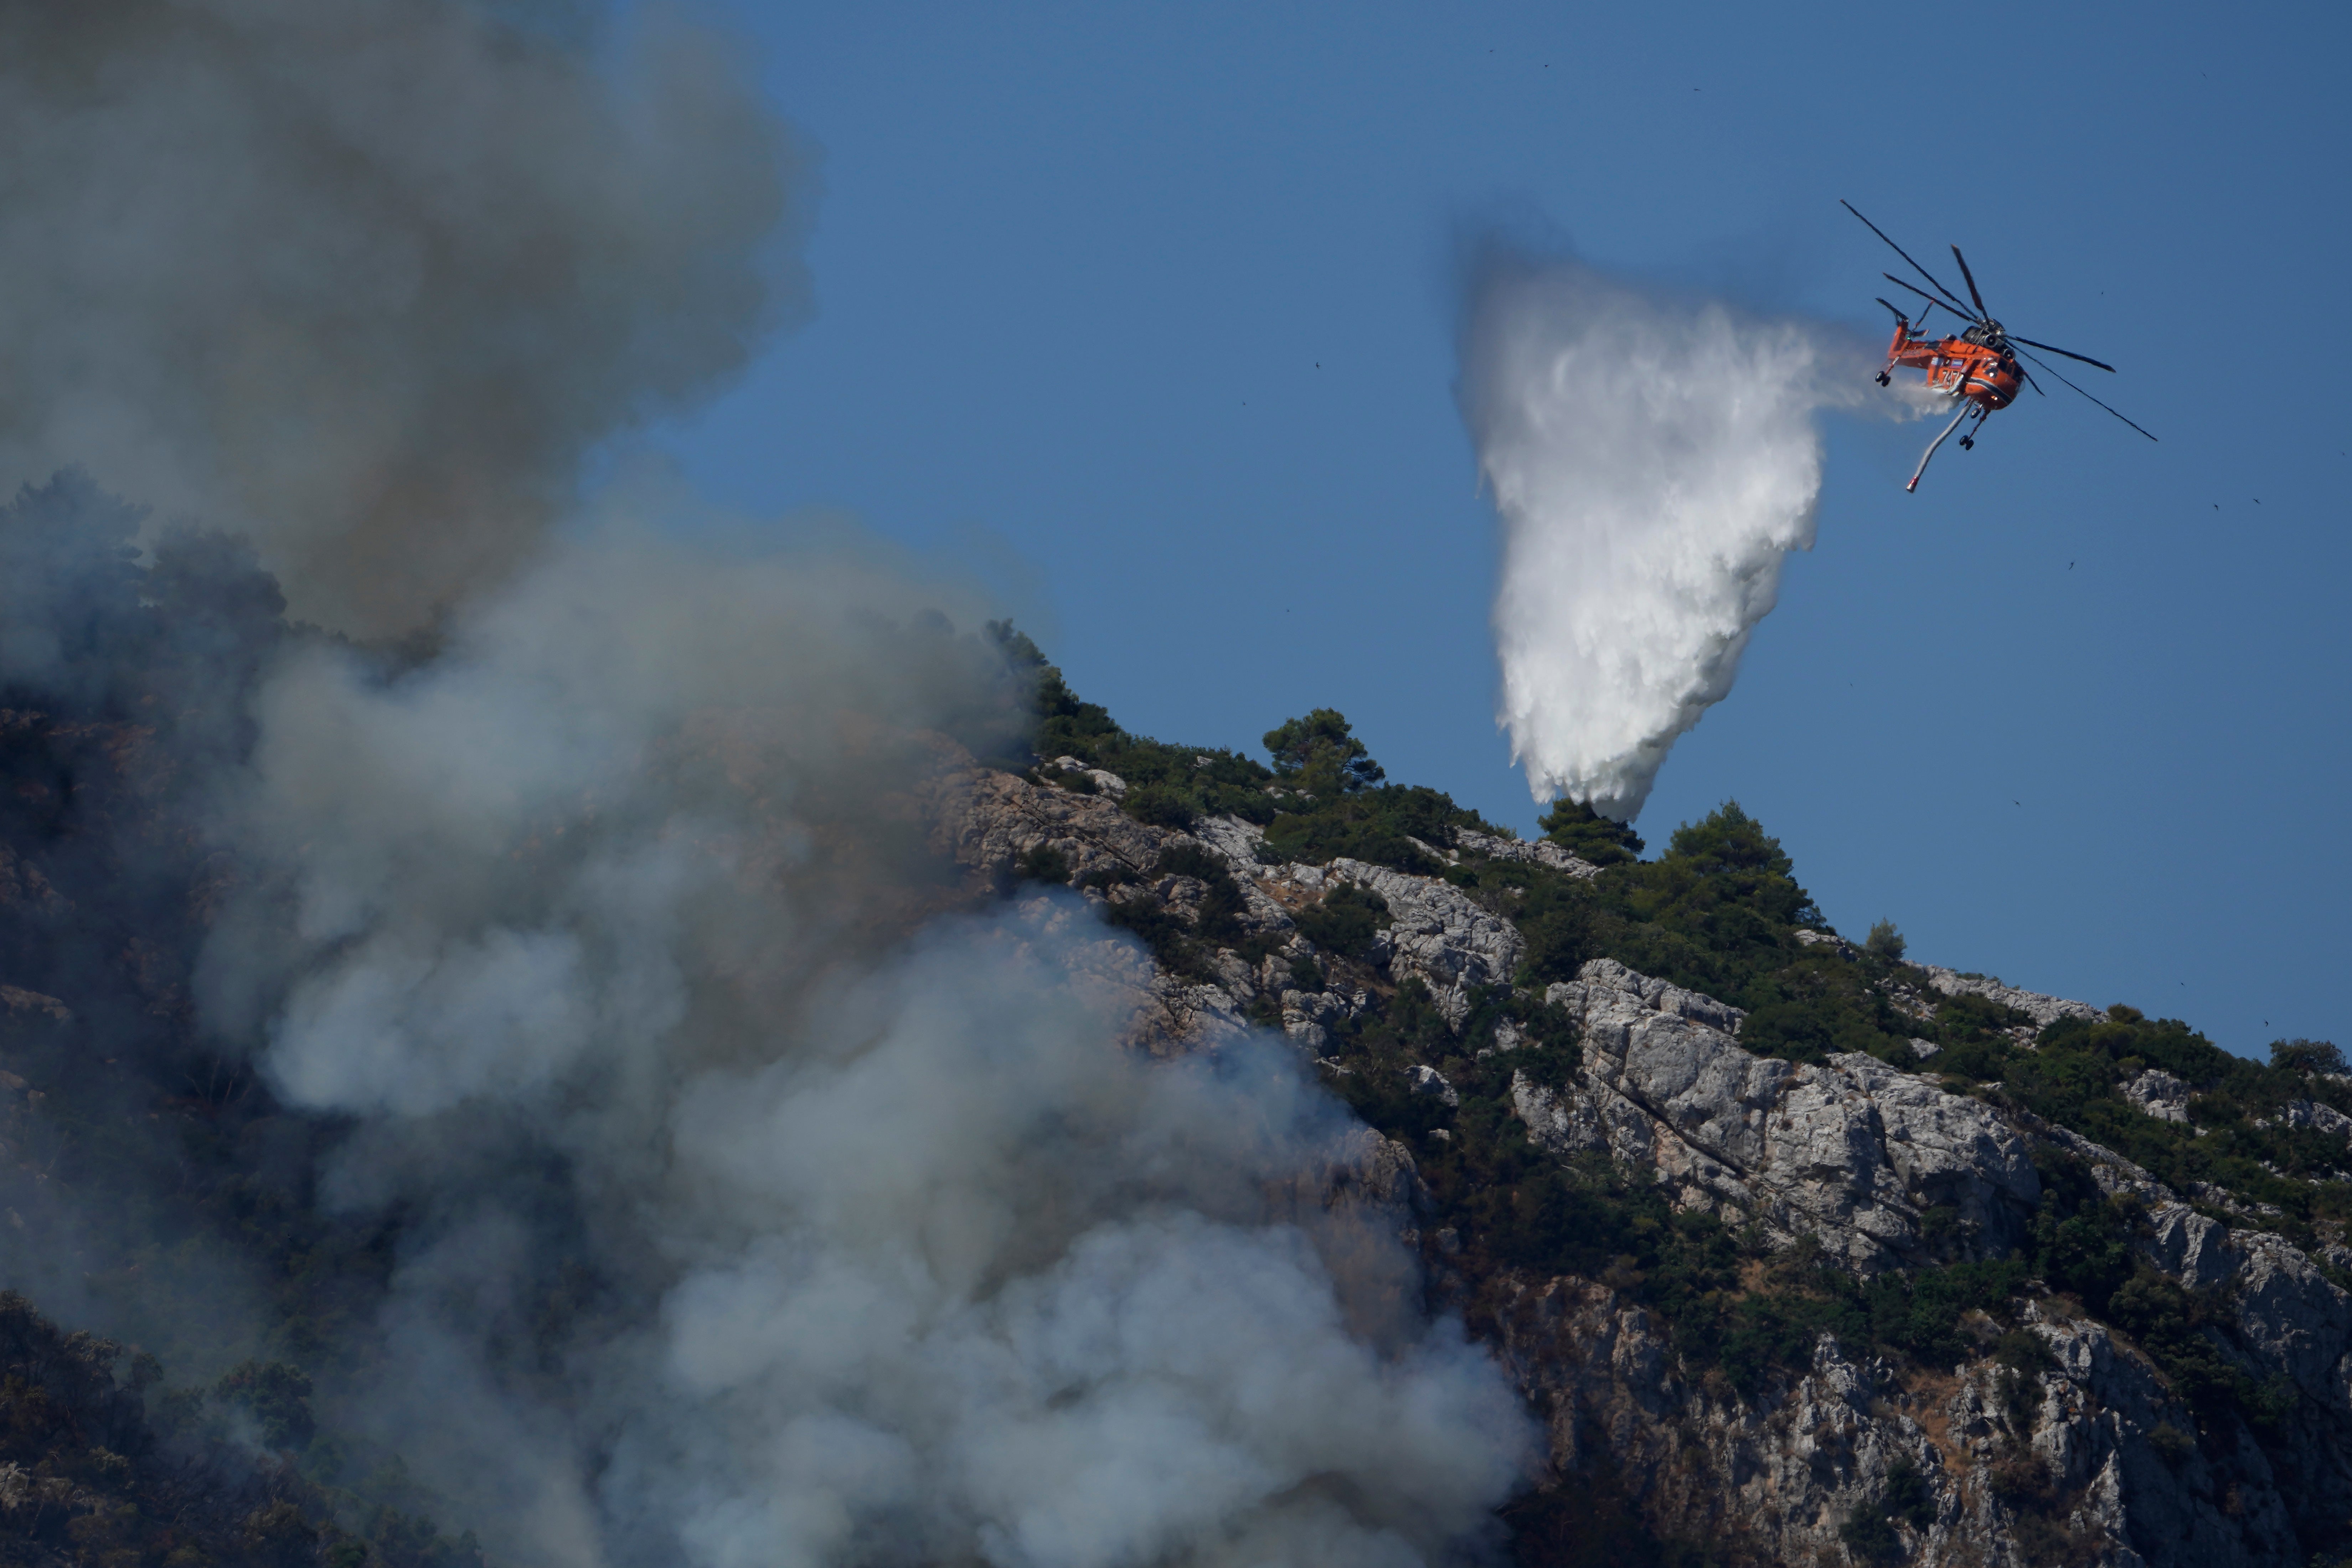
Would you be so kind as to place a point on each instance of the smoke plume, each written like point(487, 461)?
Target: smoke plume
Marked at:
point(1652, 458)
point(605, 927)
point(365, 279)
point(743, 1186)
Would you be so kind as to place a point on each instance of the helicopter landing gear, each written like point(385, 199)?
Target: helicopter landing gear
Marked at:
point(1883, 378)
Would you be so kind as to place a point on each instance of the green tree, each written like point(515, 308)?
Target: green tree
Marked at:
point(1885, 941)
point(1319, 755)
point(2306, 1056)
point(1584, 833)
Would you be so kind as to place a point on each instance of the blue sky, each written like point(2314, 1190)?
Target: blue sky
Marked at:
point(1147, 313)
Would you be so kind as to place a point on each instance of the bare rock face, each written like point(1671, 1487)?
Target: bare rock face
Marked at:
point(989, 821)
point(2084, 1458)
point(1853, 1153)
point(1427, 1080)
point(1541, 852)
point(2043, 1010)
point(2083, 1462)
point(2191, 1247)
point(1438, 934)
point(2160, 1094)
point(2316, 1114)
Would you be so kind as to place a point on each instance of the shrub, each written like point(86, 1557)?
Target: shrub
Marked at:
point(1869, 1530)
point(1345, 921)
point(2307, 1056)
point(1158, 805)
point(1885, 942)
point(2171, 1444)
point(1556, 917)
point(1908, 1496)
point(1589, 836)
point(1043, 863)
point(1870, 1536)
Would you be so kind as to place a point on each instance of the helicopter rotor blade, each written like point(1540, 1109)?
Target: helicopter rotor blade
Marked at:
point(2030, 381)
point(1890, 305)
point(2063, 381)
point(1922, 293)
point(2086, 359)
point(1969, 278)
point(1951, 300)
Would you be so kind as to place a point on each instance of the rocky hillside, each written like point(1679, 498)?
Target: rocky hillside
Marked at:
point(1801, 1253)
point(2019, 1280)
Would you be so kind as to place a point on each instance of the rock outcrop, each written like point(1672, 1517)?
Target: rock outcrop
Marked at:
point(2160, 1094)
point(2043, 1010)
point(1853, 1153)
point(2080, 1452)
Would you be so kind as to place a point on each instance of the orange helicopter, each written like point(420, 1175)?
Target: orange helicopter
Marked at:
point(1976, 367)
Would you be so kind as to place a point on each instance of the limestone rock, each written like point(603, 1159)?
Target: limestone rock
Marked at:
point(988, 820)
point(2043, 1010)
point(1109, 783)
point(2316, 1114)
point(1427, 1080)
point(1835, 943)
point(1308, 1016)
point(1853, 1152)
point(1235, 841)
point(1606, 979)
point(1561, 1122)
point(1773, 1479)
point(2194, 1248)
point(1438, 934)
point(2160, 1094)
point(1541, 852)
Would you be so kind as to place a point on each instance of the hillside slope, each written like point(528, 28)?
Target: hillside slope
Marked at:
point(1797, 1251)
point(1887, 1263)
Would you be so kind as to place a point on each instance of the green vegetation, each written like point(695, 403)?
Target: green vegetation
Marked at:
point(1346, 921)
point(1885, 941)
point(1317, 755)
point(1720, 910)
point(1322, 798)
point(2238, 1135)
point(1589, 836)
point(1869, 1530)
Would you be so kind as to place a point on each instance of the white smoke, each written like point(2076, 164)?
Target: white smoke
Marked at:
point(611, 927)
point(1652, 459)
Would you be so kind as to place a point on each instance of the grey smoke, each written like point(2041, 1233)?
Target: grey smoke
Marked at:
point(365, 279)
point(900, 1256)
point(763, 1196)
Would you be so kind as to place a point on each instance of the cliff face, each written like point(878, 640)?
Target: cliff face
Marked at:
point(2036, 1433)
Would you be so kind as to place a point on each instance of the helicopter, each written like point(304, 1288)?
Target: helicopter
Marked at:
point(1977, 366)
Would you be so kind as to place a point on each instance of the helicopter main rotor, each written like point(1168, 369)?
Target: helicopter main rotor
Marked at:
point(1982, 328)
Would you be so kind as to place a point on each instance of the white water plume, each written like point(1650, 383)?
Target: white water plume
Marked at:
point(1652, 458)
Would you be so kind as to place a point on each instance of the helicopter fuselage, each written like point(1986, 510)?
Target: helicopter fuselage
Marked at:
point(1982, 372)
